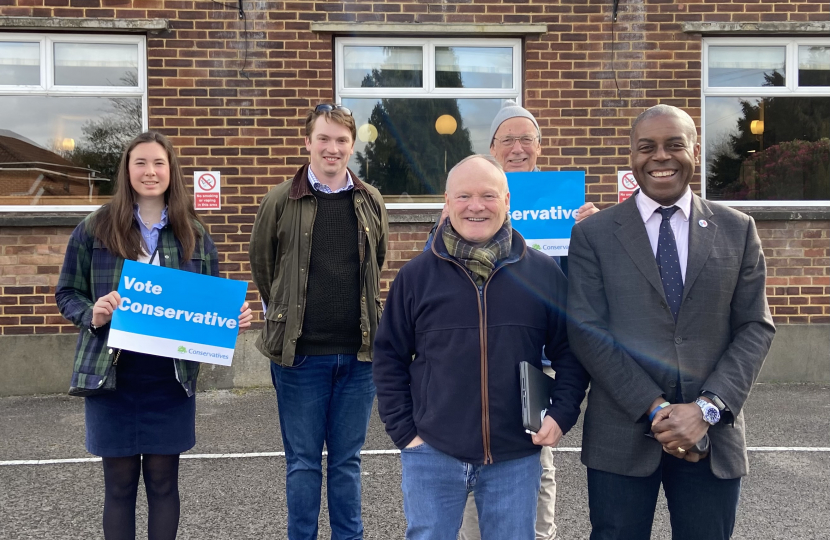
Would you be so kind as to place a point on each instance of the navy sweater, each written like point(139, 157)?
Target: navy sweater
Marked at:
point(433, 363)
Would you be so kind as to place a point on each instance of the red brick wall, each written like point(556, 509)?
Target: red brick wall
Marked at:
point(797, 253)
point(30, 262)
point(798, 270)
point(248, 125)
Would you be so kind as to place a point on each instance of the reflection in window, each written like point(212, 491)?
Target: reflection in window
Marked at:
point(386, 67)
point(405, 151)
point(767, 149)
point(747, 66)
point(63, 150)
point(96, 64)
point(19, 63)
point(474, 67)
point(813, 66)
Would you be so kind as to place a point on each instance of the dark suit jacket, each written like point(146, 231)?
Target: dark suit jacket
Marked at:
point(622, 331)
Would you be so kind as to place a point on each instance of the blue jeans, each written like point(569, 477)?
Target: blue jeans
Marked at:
point(435, 487)
point(324, 399)
point(701, 505)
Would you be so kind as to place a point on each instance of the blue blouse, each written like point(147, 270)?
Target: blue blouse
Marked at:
point(151, 234)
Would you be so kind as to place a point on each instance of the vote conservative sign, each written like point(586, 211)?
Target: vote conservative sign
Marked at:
point(167, 312)
point(543, 206)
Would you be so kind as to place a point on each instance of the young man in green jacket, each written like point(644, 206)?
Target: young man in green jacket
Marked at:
point(316, 250)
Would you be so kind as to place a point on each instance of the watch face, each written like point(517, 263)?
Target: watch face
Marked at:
point(711, 414)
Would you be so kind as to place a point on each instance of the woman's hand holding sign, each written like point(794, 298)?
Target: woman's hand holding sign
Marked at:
point(245, 316)
point(104, 307)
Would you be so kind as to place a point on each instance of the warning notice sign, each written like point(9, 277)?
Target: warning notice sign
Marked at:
point(626, 185)
point(206, 190)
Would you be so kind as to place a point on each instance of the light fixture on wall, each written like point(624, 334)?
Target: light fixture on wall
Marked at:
point(445, 125)
point(757, 127)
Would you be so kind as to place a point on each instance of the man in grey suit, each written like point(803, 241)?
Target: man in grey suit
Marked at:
point(670, 318)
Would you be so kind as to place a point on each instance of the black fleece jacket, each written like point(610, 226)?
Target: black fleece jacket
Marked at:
point(447, 353)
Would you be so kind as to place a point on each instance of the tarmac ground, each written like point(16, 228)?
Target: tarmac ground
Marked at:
point(232, 482)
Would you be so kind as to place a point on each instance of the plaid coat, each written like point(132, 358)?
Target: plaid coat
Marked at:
point(89, 272)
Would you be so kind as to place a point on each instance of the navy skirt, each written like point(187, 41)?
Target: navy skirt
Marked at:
point(148, 413)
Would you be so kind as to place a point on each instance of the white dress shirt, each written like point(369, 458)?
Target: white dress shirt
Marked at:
point(679, 224)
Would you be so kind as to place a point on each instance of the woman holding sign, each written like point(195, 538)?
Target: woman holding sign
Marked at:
point(140, 409)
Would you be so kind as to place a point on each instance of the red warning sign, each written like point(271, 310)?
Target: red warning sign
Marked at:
point(207, 182)
point(626, 185)
point(206, 190)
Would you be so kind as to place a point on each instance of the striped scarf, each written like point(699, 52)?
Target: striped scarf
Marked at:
point(479, 260)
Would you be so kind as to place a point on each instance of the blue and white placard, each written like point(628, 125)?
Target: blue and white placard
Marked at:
point(542, 207)
point(167, 312)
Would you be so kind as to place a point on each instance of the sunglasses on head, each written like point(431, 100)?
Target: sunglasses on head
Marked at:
point(328, 107)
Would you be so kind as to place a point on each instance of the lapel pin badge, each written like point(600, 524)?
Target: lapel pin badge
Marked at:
point(703, 223)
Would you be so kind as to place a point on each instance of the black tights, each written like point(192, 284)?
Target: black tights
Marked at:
point(161, 481)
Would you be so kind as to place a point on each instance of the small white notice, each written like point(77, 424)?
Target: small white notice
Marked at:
point(206, 190)
point(626, 185)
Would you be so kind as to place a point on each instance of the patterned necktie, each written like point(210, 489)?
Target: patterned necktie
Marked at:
point(668, 262)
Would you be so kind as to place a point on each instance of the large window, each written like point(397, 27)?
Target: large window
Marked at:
point(68, 105)
point(422, 105)
point(766, 120)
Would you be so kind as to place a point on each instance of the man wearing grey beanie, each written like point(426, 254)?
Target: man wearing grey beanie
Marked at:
point(515, 142)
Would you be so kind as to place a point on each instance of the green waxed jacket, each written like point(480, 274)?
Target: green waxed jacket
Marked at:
point(280, 251)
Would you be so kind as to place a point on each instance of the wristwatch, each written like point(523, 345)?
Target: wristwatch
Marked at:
point(711, 414)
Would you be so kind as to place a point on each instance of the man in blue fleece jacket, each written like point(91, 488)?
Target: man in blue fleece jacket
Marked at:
point(458, 320)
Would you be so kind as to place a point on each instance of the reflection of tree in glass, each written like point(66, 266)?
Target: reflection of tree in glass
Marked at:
point(396, 78)
point(792, 170)
point(408, 154)
point(105, 138)
point(732, 175)
point(817, 56)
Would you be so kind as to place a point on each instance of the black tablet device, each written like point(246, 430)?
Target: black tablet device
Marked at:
point(536, 388)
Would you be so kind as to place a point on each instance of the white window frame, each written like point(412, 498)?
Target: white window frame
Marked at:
point(47, 87)
point(428, 90)
point(791, 89)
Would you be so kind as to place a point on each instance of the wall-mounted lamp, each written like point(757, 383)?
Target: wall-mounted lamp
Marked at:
point(757, 127)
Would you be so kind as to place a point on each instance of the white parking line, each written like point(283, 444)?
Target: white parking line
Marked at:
point(18, 462)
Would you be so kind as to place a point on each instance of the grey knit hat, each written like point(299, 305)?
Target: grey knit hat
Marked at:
point(509, 110)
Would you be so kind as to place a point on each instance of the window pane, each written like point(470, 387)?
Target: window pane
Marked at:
point(63, 150)
point(404, 156)
point(387, 67)
point(747, 66)
point(96, 64)
point(813, 66)
point(19, 63)
point(474, 67)
point(772, 149)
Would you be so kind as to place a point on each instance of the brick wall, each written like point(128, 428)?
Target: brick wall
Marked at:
point(30, 262)
point(797, 253)
point(406, 240)
point(798, 277)
point(243, 117)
